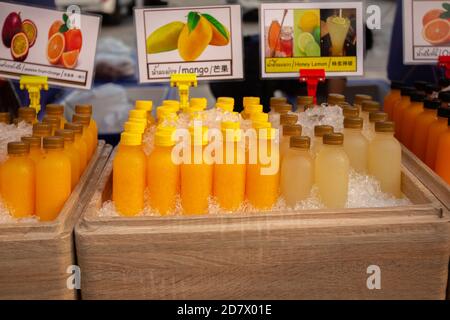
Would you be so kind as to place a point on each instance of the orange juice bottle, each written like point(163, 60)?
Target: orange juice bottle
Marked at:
point(27, 114)
point(400, 107)
point(54, 122)
point(422, 128)
point(442, 167)
point(409, 118)
point(147, 106)
point(163, 174)
point(18, 179)
point(262, 180)
point(56, 110)
point(35, 143)
point(229, 176)
point(42, 130)
point(129, 174)
point(86, 109)
point(53, 179)
point(392, 98)
point(437, 128)
point(5, 117)
point(88, 135)
point(196, 176)
point(79, 144)
point(72, 153)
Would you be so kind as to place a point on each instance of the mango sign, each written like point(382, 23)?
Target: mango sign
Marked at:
point(206, 41)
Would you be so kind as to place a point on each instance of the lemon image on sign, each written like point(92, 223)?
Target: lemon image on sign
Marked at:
point(312, 49)
point(304, 39)
point(309, 21)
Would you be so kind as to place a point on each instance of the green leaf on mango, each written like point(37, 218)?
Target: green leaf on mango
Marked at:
point(219, 26)
point(193, 19)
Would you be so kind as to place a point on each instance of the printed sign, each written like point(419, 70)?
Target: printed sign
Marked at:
point(298, 36)
point(206, 41)
point(426, 31)
point(44, 42)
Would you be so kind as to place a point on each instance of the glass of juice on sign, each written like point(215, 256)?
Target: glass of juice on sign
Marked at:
point(338, 28)
point(286, 39)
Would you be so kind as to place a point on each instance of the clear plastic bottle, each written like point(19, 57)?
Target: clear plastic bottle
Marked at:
point(332, 171)
point(129, 175)
point(356, 146)
point(297, 171)
point(437, 128)
point(319, 132)
point(53, 179)
point(400, 107)
point(17, 180)
point(72, 153)
point(409, 118)
point(79, 144)
point(288, 132)
point(374, 117)
point(422, 127)
point(56, 110)
point(385, 158)
point(392, 98)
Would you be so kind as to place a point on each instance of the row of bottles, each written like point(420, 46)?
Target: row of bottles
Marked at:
point(41, 170)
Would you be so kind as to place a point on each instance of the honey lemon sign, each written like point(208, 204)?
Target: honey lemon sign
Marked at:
point(206, 41)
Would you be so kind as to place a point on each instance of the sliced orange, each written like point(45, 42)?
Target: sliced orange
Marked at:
point(55, 47)
point(437, 31)
point(432, 15)
point(54, 28)
point(69, 59)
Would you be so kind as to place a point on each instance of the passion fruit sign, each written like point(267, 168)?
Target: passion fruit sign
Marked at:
point(51, 43)
point(206, 41)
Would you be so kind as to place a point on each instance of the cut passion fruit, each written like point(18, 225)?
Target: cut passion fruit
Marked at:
point(19, 46)
point(29, 28)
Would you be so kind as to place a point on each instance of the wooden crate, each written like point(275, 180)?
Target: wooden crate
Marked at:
point(319, 254)
point(34, 257)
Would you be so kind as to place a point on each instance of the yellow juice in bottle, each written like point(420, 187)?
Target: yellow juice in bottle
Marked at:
point(250, 110)
point(356, 146)
point(17, 180)
point(147, 106)
point(229, 176)
point(163, 174)
point(400, 107)
point(79, 144)
point(86, 109)
point(35, 143)
point(297, 171)
point(57, 111)
point(129, 175)
point(288, 132)
point(331, 171)
point(409, 118)
point(53, 179)
point(54, 122)
point(319, 132)
point(72, 153)
point(422, 128)
point(385, 157)
point(376, 116)
point(88, 135)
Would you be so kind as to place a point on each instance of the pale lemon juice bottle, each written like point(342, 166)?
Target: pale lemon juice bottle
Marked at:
point(373, 118)
point(288, 132)
point(319, 132)
point(356, 146)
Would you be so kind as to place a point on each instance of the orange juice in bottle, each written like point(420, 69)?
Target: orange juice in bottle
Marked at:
point(35, 143)
point(86, 109)
point(409, 118)
point(56, 110)
point(79, 144)
point(229, 176)
point(54, 122)
point(72, 153)
point(88, 135)
point(437, 128)
point(163, 174)
point(17, 180)
point(147, 106)
point(319, 132)
point(400, 107)
point(42, 130)
point(422, 128)
point(129, 175)
point(196, 175)
point(53, 179)
point(27, 114)
point(442, 167)
point(356, 146)
point(392, 98)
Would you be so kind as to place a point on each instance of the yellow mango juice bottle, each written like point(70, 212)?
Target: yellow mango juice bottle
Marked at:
point(54, 122)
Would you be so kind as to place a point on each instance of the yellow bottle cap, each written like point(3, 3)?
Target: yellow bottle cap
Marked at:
point(259, 117)
point(163, 136)
point(137, 114)
point(230, 125)
point(227, 100)
point(261, 125)
point(253, 108)
point(140, 121)
point(146, 105)
point(199, 137)
point(165, 112)
point(225, 106)
point(248, 101)
point(172, 103)
point(130, 139)
point(134, 127)
point(198, 104)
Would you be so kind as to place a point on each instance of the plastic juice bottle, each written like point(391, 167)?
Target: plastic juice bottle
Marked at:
point(138, 116)
point(276, 101)
point(79, 144)
point(331, 171)
point(224, 107)
point(319, 133)
point(86, 109)
point(57, 111)
point(356, 146)
point(359, 99)
point(303, 102)
point(367, 107)
point(422, 128)
point(18, 179)
point(288, 119)
point(335, 98)
point(259, 117)
point(374, 117)
point(400, 107)
point(27, 114)
point(167, 116)
point(283, 108)
point(146, 105)
point(129, 175)
point(42, 130)
point(409, 118)
point(196, 176)
point(54, 122)
point(247, 102)
point(35, 147)
point(385, 157)
point(392, 98)
point(72, 153)
point(437, 128)
point(53, 179)
point(288, 132)
point(134, 127)
point(350, 112)
point(297, 171)
point(262, 180)
point(249, 109)
point(88, 136)
point(163, 174)
point(198, 104)
point(442, 167)
point(229, 176)
point(5, 117)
